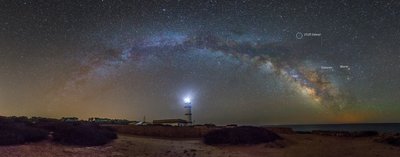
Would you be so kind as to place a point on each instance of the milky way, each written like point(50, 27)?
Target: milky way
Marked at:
point(252, 62)
point(309, 81)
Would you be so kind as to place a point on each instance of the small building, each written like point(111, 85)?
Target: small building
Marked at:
point(140, 123)
point(231, 125)
point(99, 120)
point(204, 126)
point(70, 119)
point(109, 121)
point(172, 122)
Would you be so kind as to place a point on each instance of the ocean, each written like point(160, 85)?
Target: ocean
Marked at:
point(380, 127)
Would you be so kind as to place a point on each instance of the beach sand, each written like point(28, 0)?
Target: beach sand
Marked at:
point(296, 145)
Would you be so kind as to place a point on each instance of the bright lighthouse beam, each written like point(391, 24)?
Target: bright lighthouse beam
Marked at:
point(187, 100)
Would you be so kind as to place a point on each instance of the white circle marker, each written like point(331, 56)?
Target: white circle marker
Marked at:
point(299, 35)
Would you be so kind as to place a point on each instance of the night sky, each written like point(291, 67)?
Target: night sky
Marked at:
point(244, 62)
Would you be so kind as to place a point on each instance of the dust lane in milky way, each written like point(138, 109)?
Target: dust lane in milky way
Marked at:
point(304, 79)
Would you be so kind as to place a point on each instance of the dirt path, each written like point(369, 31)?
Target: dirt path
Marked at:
point(298, 145)
point(141, 146)
point(122, 147)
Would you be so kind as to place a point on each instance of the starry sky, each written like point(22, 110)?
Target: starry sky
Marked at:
point(243, 62)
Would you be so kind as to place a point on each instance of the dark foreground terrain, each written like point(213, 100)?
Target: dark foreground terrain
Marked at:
point(48, 138)
point(296, 145)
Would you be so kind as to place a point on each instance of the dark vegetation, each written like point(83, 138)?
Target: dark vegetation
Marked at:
point(240, 135)
point(392, 139)
point(83, 134)
point(281, 130)
point(20, 130)
point(110, 121)
point(303, 132)
point(346, 133)
point(12, 134)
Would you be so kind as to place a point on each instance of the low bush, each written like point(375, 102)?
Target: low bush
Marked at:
point(303, 132)
point(17, 133)
point(20, 130)
point(395, 141)
point(240, 135)
point(365, 133)
point(392, 139)
point(83, 134)
point(346, 133)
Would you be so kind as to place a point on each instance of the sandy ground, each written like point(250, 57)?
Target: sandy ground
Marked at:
point(295, 145)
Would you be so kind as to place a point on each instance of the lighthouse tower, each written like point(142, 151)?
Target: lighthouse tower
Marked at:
point(188, 107)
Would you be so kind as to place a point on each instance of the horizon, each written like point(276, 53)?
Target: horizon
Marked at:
point(240, 124)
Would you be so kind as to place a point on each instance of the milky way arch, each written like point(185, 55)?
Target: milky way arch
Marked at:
point(308, 81)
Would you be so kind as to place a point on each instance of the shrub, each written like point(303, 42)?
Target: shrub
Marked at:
point(82, 134)
point(240, 135)
point(10, 138)
point(395, 141)
point(346, 133)
point(17, 133)
point(303, 132)
point(19, 130)
point(392, 139)
point(365, 133)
